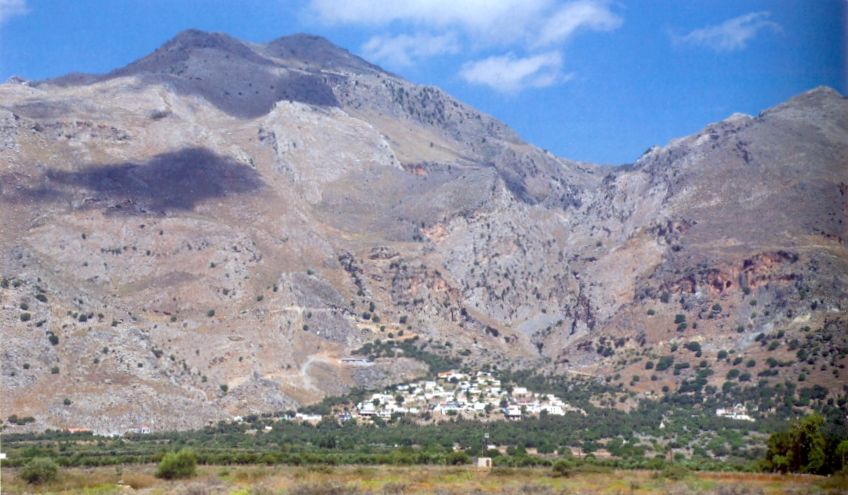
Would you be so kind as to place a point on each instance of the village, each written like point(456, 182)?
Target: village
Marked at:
point(453, 394)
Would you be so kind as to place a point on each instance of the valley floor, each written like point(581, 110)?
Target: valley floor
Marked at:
point(353, 480)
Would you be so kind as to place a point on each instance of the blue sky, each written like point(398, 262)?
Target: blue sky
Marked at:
point(591, 80)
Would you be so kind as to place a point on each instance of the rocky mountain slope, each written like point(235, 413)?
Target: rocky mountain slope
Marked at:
point(214, 230)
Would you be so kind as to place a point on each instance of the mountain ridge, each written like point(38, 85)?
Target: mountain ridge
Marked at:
point(212, 214)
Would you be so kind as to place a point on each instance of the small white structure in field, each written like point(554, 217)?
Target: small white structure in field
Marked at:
point(483, 463)
point(737, 412)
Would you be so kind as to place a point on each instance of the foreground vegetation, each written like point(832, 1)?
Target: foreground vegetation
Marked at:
point(653, 434)
point(394, 480)
point(673, 445)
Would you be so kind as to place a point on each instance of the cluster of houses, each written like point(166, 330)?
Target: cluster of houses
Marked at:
point(737, 412)
point(453, 394)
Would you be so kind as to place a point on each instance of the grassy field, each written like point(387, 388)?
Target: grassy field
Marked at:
point(350, 480)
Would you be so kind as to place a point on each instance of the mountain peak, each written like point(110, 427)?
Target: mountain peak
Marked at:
point(318, 51)
point(811, 105)
point(179, 48)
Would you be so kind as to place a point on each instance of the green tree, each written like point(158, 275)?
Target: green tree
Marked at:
point(799, 450)
point(457, 458)
point(842, 452)
point(182, 464)
point(40, 470)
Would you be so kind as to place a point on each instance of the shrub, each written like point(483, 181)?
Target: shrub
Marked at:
point(25, 316)
point(224, 387)
point(182, 464)
point(210, 313)
point(561, 468)
point(67, 401)
point(40, 470)
point(54, 370)
point(457, 458)
point(665, 363)
point(674, 473)
point(693, 346)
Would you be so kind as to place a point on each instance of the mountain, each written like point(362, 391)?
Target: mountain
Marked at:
point(219, 226)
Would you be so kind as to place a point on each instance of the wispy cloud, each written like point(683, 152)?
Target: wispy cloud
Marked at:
point(491, 20)
point(732, 34)
point(510, 74)
point(414, 30)
point(583, 14)
point(11, 8)
point(404, 50)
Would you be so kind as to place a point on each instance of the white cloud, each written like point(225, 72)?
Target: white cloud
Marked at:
point(486, 22)
point(491, 20)
point(510, 74)
point(576, 15)
point(533, 34)
point(733, 34)
point(404, 50)
point(11, 8)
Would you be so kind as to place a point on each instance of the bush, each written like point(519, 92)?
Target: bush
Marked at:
point(182, 464)
point(664, 363)
point(457, 458)
point(693, 346)
point(40, 470)
point(562, 468)
point(674, 473)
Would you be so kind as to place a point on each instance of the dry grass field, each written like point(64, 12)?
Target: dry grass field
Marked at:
point(352, 480)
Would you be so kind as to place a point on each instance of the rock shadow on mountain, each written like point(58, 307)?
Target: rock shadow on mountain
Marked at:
point(174, 181)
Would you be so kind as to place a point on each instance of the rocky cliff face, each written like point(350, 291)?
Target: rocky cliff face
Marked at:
point(223, 213)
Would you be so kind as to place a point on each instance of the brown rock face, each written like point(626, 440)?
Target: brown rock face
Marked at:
point(222, 213)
